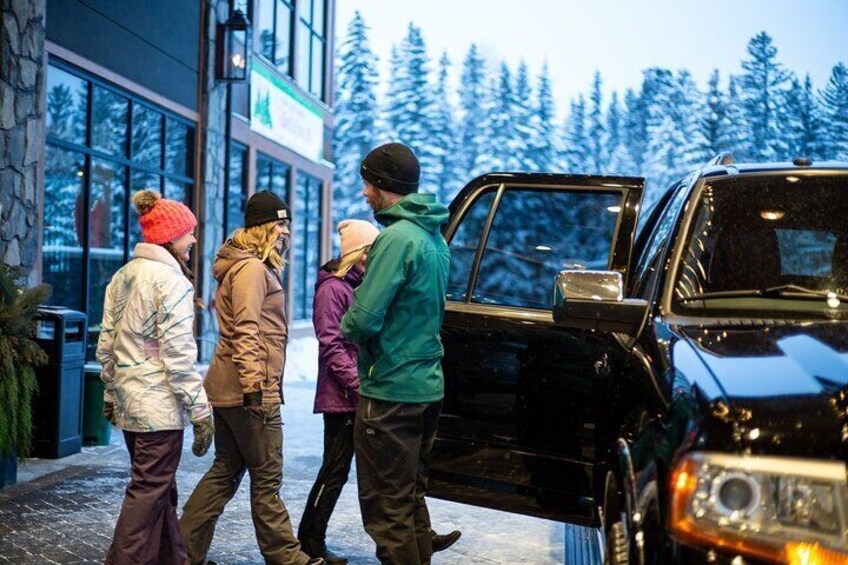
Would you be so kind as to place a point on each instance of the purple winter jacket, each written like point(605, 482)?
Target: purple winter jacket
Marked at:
point(338, 377)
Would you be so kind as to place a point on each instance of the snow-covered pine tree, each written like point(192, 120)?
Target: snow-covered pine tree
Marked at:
point(411, 106)
point(834, 99)
point(635, 132)
point(763, 88)
point(618, 161)
point(596, 160)
point(543, 142)
point(392, 114)
point(445, 139)
point(803, 128)
point(501, 147)
point(711, 137)
point(472, 95)
point(737, 122)
point(523, 131)
point(575, 146)
point(355, 131)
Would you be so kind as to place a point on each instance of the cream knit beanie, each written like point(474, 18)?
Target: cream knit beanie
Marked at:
point(356, 234)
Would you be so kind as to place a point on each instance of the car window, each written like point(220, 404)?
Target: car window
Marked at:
point(536, 234)
point(463, 245)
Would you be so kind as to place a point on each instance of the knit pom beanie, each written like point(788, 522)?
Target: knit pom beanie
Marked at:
point(162, 220)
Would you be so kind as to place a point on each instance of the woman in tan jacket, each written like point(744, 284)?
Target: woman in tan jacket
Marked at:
point(244, 384)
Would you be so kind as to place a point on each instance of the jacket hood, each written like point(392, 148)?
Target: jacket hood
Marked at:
point(786, 386)
point(421, 209)
point(228, 255)
point(353, 277)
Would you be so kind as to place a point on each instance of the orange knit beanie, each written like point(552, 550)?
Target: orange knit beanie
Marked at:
point(162, 220)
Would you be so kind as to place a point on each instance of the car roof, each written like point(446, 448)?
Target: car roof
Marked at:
point(777, 167)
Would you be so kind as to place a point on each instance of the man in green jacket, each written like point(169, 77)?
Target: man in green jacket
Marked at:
point(395, 319)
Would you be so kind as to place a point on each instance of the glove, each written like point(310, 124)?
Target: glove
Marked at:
point(204, 431)
point(109, 412)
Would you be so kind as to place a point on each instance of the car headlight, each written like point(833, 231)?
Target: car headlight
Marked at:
point(778, 509)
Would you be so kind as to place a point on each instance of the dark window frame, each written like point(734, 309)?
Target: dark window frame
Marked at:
point(306, 80)
point(292, 28)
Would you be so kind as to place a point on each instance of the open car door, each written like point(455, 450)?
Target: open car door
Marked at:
point(523, 400)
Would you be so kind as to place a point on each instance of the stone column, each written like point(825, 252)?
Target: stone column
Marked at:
point(21, 132)
point(212, 174)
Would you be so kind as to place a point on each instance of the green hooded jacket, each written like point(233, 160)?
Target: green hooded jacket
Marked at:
point(398, 309)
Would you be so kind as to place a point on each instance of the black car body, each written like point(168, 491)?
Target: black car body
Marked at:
point(680, 384)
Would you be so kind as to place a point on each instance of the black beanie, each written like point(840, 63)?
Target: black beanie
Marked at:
point(392, 167)
point(264, 207)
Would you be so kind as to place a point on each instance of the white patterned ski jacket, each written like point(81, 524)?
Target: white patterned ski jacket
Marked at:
point(147, 345)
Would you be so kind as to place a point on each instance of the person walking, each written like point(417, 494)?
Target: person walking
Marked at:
point(337, 387)
point(395, 319)
point(152, 388)
point(244, 384)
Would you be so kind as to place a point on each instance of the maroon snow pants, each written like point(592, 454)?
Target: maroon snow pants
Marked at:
point(148, 532)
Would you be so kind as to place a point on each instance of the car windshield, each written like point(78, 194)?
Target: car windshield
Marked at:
point(776, 243)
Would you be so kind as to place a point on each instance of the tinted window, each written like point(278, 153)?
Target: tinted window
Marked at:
point(463, 245)
point(535, 235)
point(307, 243)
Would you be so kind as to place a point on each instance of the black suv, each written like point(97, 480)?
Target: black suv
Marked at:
point(678, 380)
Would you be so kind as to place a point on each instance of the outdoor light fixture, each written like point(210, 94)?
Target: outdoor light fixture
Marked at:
point(233, 48)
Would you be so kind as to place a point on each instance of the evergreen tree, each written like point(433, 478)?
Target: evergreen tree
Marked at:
point(635, 131)
point(834, 99)
point(445, 138)
point(542, 151)
point(763, 84)
point(499, 125)
point(523, 131)
point(596, 158)
point(713, 129)
point(738, 141)
point(355, 130)
point(472, 96)
point(803, 128)
point(618, 161)
point(411, 105)
point(575, 144)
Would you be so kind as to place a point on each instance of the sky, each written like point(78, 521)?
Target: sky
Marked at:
point(619, 38)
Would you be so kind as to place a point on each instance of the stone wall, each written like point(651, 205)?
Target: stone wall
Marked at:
point(21, 132)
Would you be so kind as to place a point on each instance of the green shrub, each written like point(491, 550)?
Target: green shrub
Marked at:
point(19, 354)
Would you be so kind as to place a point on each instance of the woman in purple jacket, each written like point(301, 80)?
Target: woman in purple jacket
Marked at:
point(337, 390)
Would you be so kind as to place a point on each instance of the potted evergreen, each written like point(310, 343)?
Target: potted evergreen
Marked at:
point(19, 355)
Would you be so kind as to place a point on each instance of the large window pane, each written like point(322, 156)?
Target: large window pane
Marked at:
point(265, 25)
point(180, 191)
point(67, 103)
point(179, 144)
point(147, 136)
point(318, 16)
point(106, 239)
point(237, 189)
point(64, 212)
point(535, 235)
point(316, 78)
point(307, 242)
point(282, 46)
point(303, 56)
point(108, 122)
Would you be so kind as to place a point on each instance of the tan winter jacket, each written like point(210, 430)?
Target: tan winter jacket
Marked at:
point(252, 327)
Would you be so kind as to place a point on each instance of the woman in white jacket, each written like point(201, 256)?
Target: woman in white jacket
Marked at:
point(148, 354)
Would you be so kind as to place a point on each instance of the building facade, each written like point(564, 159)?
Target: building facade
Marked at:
point(124, 97)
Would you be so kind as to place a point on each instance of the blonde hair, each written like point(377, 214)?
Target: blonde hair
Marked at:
point(260, 240)
point(347, 262)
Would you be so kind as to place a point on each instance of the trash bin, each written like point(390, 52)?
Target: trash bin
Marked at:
point(57, 406)
point(96, 430)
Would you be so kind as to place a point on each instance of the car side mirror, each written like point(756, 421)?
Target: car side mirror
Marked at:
point(594, 300)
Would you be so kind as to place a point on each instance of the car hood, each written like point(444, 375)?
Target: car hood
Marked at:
point(785, 387)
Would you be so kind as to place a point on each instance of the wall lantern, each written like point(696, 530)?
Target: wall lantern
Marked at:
point(233, 48)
